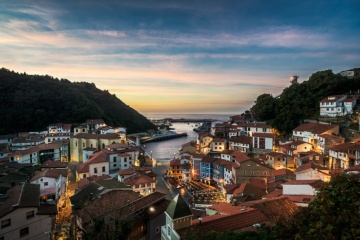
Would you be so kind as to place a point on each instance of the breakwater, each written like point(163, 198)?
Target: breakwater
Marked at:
point(161, 137)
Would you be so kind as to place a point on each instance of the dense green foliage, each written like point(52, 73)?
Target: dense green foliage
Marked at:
point(31, 102)
point(300, 101)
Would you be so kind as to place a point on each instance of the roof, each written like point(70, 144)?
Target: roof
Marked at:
point(86, 181)
point(275, 193)
point(353, 168)
point(97, 157)
point(254, 124)
point(314, 182)
point(50, 173)
point(85, 195)
point(300, 198)
point(208, 159)
point(283, 171)
point(222, 223)
point(315, 128)
point(241, 139)
point(219, 140)
point(97, 136)
point(25, 195)
point(175, 162)
point(332, 98)
point(230, 188)
point(178, 208)
point(310, 165)
point(139, 178)
point(198, 155)
point(264, 135)
point(47, 209)
point(54, 164)
point(275, 209)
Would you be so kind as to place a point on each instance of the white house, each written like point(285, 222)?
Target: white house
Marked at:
point(59, 128)
point(301, 191)
point(312, 171)
point(97, 165)
point(337, 105)
point(52, 183)
point(263, 140)
point(22, 216)
point(50, 137)
point(218, 145)
point(248, 129)
point(242, 143)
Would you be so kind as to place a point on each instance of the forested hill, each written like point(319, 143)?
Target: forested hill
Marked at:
point(31, 102)
point(300, 101)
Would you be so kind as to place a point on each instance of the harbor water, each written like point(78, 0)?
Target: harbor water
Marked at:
point(165, 150)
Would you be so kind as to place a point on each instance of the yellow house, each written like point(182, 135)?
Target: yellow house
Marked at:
point(88, 140)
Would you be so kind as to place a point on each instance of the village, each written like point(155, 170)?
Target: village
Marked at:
point(74, 182)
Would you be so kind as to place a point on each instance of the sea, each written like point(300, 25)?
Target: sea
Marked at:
point(168, 149)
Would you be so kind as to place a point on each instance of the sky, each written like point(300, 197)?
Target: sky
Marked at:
point(165, 56)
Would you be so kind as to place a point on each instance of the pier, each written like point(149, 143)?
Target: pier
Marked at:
point(161, 137)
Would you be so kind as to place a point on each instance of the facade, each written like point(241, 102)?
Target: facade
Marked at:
point(327, 141)
point(242, 143)
point(56, 128)
point(23, 217)
point(87, 140)
point(26, 141)
point(142, 183)
point(218, 145)
point(174, 170)
point(278, 160)
point(247, 129)
point(309, 132)
point(206, 170)
point(196, 162)
point(301, 192)
point(50, 137)
point(337, 105)
point(265, 141)
point(204, 140)
point(312, 171)
point(97, 165)
point(343, 155)
point(251, 169)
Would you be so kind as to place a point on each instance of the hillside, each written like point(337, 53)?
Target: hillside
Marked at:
point(31, 102)
point(300, 101)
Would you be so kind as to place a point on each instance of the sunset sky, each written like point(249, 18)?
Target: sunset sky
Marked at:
point(166, 56)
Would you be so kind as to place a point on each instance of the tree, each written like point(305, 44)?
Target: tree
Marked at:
point(264, 108)
point(334, 213)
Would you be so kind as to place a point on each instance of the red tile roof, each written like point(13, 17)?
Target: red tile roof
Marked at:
point(314, 182)
point(50, 173)
point(310, 165)
point(264, 135)
point(86, 181)
point(241, 139)
point(208, 159)
point(54, 164)
point(114, 136)
point(332, 98)
point(253, 124)
point(219, 140)
point(175, 162)
point(315, 128)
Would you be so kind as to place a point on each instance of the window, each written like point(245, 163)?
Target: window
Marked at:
point(103, 169)
point(157, 230)
point(83, 144)
point(95, 170)
point(84, 175)
point(24, 232)
point(244, 172)
point(114, 165)
point(46, 183)
point(169, 230)
point(114, 159)
point(125, 159)
point(5, 223)
point(30, 214)
point(265, 173)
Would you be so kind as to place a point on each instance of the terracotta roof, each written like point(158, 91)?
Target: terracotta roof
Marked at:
point(138, 179)
point(332, 98)
point(228, 209)
point(315, 128)
point(344, 146)
point(178, 208)
point(86, 181)
point(275, 193)
point(97, 136)
point(349, 99)
point(198, 155)
point(220, 162)
point(219, 140)
point(230, 188)
point(275, 209)
point(25, 195)
point(128, 171)
point(223, 223)
point(175, 162)
point(309, 165)
point(50, 173)
point(353, 168)
point(283, 171)
point(264, 135)
point(54, 164)
point(326, 136)
point(208, 159)
point(241, 139)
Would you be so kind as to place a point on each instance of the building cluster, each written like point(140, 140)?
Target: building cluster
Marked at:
point(92, 176)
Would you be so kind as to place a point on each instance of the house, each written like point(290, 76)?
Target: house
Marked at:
point(295, 147)
point(22, 216)
point(50, 164)
point(309, 132)
point(37, 154)
point(278, 160)
point(52, 183)
point(26, 141)
point(196, 162)
point(206, 168)
point(219, 166)
point(242, 143)
point(81, 141)
point(312, 171)
point(326, 141)
point(94, 124)
point(233, 156)
point(145, 214)
point(50, 137)
point(310, 156)
point(218, 145)
point(174, 169)
point(350, 73)
point(224, 218)
point(343, 155)
point(56, 128)
point(251, 169)
point(248, 191)
point(121, 156)
point(337, 105)
point(247, 129)
point(97, 165)
point(263, 141)
point(143, 183)
point(204, 140)
point(222, 130)
point(301, 192)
